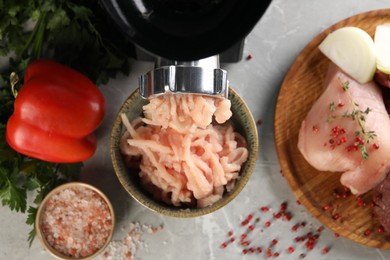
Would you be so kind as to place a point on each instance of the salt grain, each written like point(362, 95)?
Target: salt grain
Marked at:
point(127, 247)
point(76, 222)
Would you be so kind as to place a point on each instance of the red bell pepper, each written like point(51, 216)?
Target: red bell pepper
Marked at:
point(55, 114)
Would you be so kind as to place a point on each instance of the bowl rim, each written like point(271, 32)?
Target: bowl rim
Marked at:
point(41, 209)
point(186, 212)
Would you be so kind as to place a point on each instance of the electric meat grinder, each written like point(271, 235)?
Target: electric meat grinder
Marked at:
point(187, 39)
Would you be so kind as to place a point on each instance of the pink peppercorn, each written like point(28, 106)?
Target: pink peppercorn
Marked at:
point(283, 206)
point(246, 243)
point(380, 229)
point(336, 216)
point(243, 236)
point(325, 250)
point(287, 216)
point(320, 229)
point(264, 209)
point(367, 232)
point(268, 252)
point(277, 215)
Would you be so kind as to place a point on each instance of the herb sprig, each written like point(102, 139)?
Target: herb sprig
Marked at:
point(360, 117)
point(75, 33)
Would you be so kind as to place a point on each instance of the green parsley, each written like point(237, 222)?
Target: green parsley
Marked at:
point(75, 33)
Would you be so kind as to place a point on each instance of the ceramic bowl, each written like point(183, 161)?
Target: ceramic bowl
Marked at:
point(39, 221)
point(243, 123)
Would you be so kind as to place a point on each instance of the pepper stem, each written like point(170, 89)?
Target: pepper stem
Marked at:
point(14, 79)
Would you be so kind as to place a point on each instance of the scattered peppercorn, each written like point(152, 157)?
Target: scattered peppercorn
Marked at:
point(327, 207)
point(320, 229)
point(268, 252)
point(308, 240)
point(336, 216)
point(380, 229)
point(264, 209)
point(249, 57)
point(287, 216)
point(295, 228)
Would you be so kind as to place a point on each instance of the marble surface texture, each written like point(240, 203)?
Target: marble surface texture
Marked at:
point(284, 30)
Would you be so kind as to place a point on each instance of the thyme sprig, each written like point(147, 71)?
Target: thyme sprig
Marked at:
point(360, 117)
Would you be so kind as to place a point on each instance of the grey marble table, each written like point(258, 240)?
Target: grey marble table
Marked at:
point(275, 42)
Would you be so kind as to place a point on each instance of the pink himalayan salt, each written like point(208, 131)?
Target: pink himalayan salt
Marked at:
point(126, 248)
point(76, 222)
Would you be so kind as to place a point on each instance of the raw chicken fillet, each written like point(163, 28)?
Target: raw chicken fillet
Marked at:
point(331, 137)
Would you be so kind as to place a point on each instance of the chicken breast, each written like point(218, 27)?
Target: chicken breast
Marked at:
point(348, 130)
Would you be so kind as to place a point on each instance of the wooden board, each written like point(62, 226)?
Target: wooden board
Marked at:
point(300, 88)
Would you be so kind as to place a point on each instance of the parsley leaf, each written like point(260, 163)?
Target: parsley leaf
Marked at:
point(10, 194)
point(32, 214)
point(75, 33)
